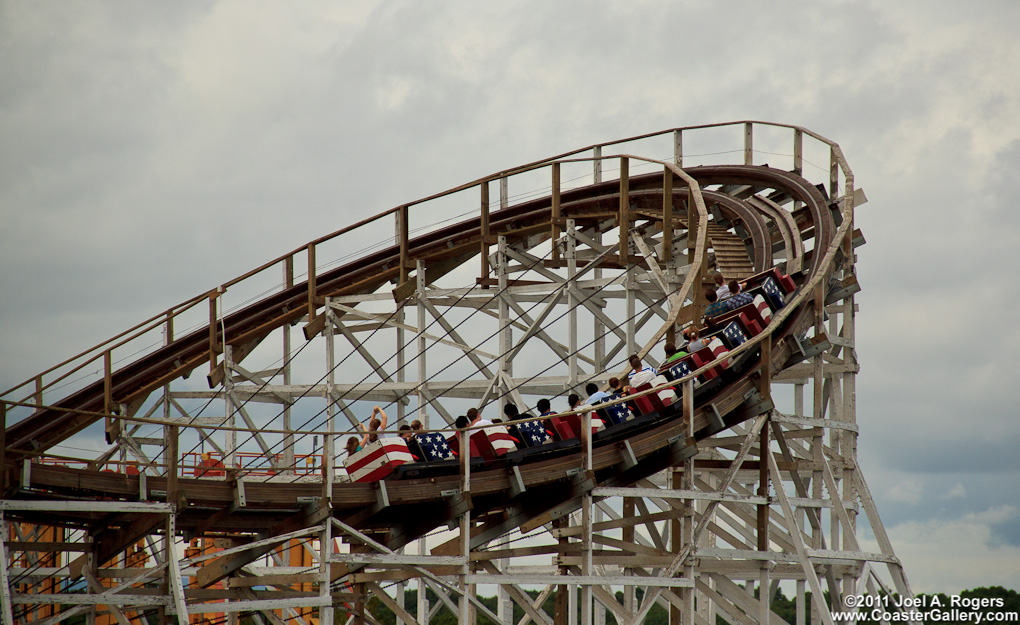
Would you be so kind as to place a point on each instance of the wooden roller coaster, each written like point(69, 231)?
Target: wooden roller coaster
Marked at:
point(124, 499)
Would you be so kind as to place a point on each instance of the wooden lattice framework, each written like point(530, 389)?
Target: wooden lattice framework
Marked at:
point(776, 497)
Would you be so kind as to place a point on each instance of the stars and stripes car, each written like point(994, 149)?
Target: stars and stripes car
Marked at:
point(534, 433)
point(500, 439)
point(434, 446)
point(377, 459)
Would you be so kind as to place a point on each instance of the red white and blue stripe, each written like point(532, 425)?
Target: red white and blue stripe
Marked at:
point(377, 460)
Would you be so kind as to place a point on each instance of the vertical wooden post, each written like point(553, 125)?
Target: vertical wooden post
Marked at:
point(485, 233)
point(667, 215)
point(38, 390)
point(667, 237)
point(676, 537)
point(765, 389)
point(561, 606)
point(798, 152)
point(763, 491)
point(687, 483)
point(627, 535)
point(692, 231)
point(587, 544)
point(572, 303)
point(171, 453)
point(555, 219)
point(213, 343)
point(327, 436)
point(833, 174)
point(597, 165)
point(359, 602)
point(108, 382)
point(288, 438)
point(748, 143)
point(678, 147)
point(3, 455)
point(172, 458)
point(311, 281)
point(464, 606)
point(402, 241)
point(112, 425)
point(624, 217)
point(6, 608)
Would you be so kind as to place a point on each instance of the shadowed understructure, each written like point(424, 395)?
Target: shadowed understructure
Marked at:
point(197, 464)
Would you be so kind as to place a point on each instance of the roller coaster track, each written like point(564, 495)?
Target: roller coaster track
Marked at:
point(659, 231)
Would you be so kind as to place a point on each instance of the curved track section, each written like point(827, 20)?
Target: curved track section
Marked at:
point(633, 253)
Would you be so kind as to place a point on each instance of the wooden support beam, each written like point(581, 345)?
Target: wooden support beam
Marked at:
point(3, 452)
point(213, 331)
point(402, 242)
point(484, 231)
point(111, 541)
point(624, 217)
point(311, 280)
point(763, 490)
point(555, 210)
point(226, 566)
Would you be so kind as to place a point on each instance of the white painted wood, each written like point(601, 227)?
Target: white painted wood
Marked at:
point(86, 506)
point(5, 583)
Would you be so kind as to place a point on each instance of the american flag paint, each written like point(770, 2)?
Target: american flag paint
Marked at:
point(734, 334)
point(773, 292)
point(617, 414)
point(534, 433)
point(718, 349)
point(680, 369)
point(377, 460)
point(763, 308)
point(434, 446)
point(500, 439)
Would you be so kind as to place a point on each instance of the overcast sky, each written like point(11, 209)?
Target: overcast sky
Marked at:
point(149, 151)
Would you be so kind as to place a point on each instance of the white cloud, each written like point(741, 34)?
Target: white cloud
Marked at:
point(908, 491)
point(957, 491)
point(949, 556)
